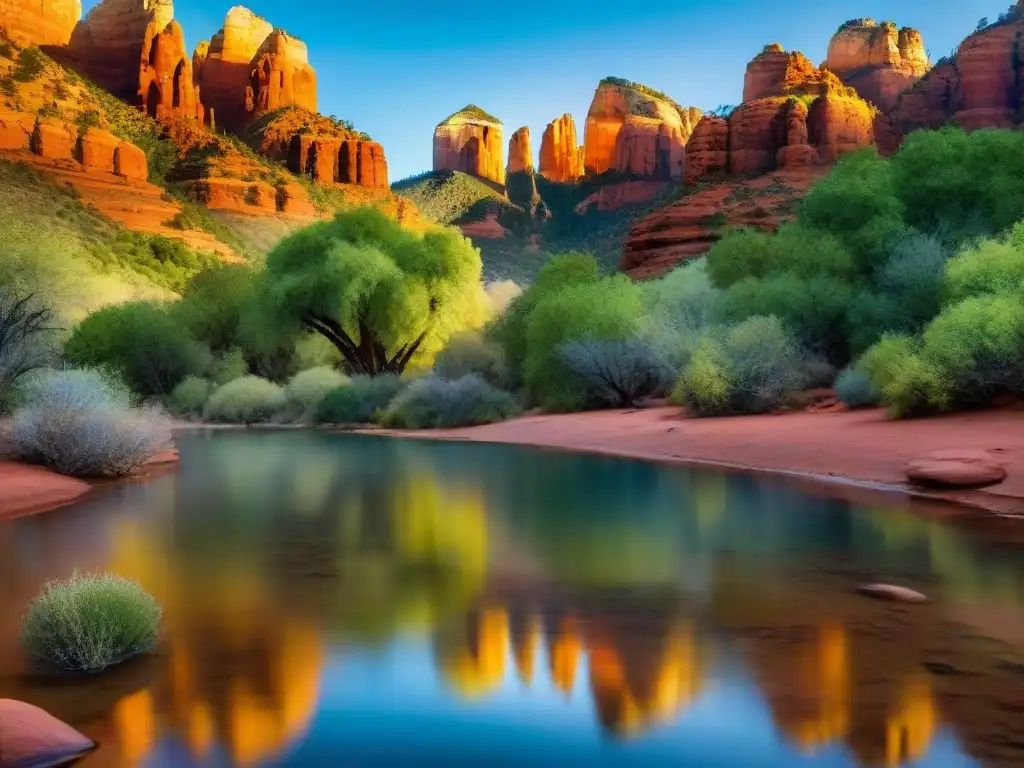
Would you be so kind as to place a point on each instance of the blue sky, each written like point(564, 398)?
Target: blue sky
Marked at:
point(396, 68)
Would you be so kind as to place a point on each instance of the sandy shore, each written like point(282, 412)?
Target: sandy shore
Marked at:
point(861, 447)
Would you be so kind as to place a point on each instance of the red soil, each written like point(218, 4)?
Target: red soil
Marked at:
point(862, 446)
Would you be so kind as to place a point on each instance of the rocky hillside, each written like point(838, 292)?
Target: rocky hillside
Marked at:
point(470, 141)
point(878, 60)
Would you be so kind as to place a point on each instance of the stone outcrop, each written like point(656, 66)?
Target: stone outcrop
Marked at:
point(956, 469)
point(633, 129)
point(471, 141)
point(798, 116)
point(54, 139)
point(561, 156)
point(40, 22)
point(520, 154)
point(166, 83)
point(321, 148)
point(96, 150)
point(16, 130)
point(249, 68)
point(878, 60)
point(130, 162)
point(30, 736)
point(980, 87)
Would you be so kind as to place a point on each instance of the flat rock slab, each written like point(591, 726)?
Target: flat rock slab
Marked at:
point(956, 469)
point(32, 738)
point(891, 592)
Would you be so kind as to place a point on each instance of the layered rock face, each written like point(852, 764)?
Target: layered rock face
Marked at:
point(799, 116)
point(879, 61)
point(636, 131)
point(314, 145)
point(40, 22)
point(561, 156)
point(982, 87)
point(249, 67)
point(108, 43)
point(470, 141)
point(520, 154)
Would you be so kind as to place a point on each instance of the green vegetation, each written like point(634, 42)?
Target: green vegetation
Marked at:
point(199, 217)
point(307, 388)
point(472, 112)
point(644, 89)
point(30, 65)
point(360, 400)
point(434, 402)
point(90, 622)
point(385, 298)
point(472, 353)
point(448, 197)
point(188, 399)
point(249, 400)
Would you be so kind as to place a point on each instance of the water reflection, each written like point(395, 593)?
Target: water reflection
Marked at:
point(567, 609)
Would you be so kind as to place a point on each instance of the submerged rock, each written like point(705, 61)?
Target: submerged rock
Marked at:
point(891, 592)
point(32, 738)
point(956, 469)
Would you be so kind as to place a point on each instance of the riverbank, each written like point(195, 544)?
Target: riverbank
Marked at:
point(862, 449)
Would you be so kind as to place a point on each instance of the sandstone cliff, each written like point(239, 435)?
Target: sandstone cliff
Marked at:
point(561, 156)
point(520, 154)
point(878, 60)
point(471, 141)
point(795, 115)
point(40, 22)
point(634, 129)
point(322, 148)
point(249, 68)
point(981, 86)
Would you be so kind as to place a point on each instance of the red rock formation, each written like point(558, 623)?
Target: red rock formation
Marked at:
point(838, 125)
point(979, 88)
point(54, 139)
point(615, 196)
point(561, 157)
point(775, 72)
point(249, 68)
point(470, 141)
point(16, 130)
point(879, 61)
point(520, 155)
point(707, 151)
point(624, 131)
point(108, 43)
point(234, 195)
point(130, 162)
point(165, 77)
point(96, 150)
point(40, 22)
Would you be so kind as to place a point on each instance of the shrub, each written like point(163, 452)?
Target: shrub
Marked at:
point(604, 310)
point(471, 352)
point(434, 402)
point(189, 398)
point(751, 368)
point(25, 325)
point(78, 388)
point(992, 266)
point(501, 294)
point(90, 622)
point(88, 442)
point(249, 400)
point(228, 367)
point(142, 342)
point(904, 381)
point(854, 389)
point(358, 401)
point(308, 388)
point(616, 373)
point(214, 302)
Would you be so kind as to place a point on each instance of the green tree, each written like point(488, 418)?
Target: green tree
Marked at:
point(384, 297)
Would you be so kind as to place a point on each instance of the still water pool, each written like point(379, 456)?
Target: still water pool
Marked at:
point(345, 600)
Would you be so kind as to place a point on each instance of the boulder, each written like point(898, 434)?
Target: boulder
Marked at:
point(645, 148)
point(54, 139)
point(16, 130)
point(891, 592)
point(234, 195)
point(470, 141)
point(96, 150)
point(878, 60)
point(31, 737)
point(560, 155)
point(292, 198)
point(520, 154)
point(130, 162)
point(40, 22)
point(956, 469)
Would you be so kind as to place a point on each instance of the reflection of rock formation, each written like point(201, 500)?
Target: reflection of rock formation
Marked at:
point(473, 661)
point(564, 646)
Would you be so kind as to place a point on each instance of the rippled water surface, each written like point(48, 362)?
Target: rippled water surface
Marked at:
point(342, 600)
